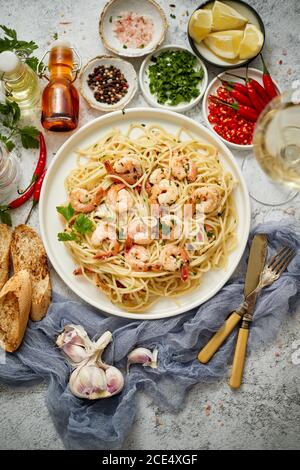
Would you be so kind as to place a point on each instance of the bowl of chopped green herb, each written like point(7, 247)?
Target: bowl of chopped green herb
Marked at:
point(173, 78)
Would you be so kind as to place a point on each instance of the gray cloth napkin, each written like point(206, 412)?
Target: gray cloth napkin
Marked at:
point(104, 424)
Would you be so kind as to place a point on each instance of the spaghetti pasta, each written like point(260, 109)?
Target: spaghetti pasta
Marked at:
point(162, 214)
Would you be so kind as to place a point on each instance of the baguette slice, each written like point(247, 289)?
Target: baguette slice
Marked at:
point(15, 304)
point(5, 241)
point(28, 253)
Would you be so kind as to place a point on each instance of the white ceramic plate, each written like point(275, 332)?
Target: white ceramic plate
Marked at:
point(126, 69)
point(144, 81)
point(248, 12)
point(214, 85)
point(115, 8)
point(54, 194)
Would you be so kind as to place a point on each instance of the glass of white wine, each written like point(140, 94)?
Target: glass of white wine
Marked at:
point(276, 143)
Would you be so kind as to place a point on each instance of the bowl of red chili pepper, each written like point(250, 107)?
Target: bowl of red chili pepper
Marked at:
point(233, 102)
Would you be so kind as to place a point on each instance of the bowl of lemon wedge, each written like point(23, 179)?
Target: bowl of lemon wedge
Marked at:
point(227, 34)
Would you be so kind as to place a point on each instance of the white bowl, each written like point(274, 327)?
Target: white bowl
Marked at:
point(214, 85)
point(115, 8)
point(144, 81)
point(128, 72)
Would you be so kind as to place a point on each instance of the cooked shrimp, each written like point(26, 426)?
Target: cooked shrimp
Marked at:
point(209, 197)
point(156, 176)
point(165, 192)
point(140, 232)
point(83, 201)
point(173, 257)
point(184, 168)
point(103, 231)
point(128, 168)
point(137, 258)
point(119, 198)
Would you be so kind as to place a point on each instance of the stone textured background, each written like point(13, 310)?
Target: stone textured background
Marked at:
point(265, 413)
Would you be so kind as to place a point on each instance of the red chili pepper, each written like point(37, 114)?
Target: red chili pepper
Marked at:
point(36, 193)
point(40, 164)
point(22, 199)
point(244, 111)
point(236, 86)
point(268, 82)
point(257, 87)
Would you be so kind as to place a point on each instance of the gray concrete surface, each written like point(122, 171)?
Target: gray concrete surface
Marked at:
point(265, 413)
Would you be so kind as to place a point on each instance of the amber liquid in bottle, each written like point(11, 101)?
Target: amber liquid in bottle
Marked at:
point(60, 100)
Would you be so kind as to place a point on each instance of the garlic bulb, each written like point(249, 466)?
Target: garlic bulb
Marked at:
point(92, 378)
point(143, 356)
point(75, 343)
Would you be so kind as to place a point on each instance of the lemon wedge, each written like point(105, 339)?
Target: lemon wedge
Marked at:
point(200, 24)
point(225, 44)
point(226, 17)
point(252, 42)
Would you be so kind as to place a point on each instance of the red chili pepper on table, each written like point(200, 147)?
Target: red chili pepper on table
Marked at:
point(245, 111)
point(268, 82)
point(36, 194)
point(40, 164)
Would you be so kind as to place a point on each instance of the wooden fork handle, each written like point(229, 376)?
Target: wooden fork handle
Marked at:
point(239, 358)
point(218, 339)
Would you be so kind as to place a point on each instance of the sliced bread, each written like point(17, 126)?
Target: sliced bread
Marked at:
point(15, 304)
point(5, 241)
point(28, 253)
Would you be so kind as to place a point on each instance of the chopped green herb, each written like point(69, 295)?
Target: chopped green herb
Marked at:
point(174, 77)
point(124, 46)
point(142, 46)
point(143, 125)
point(210, 234)
point(173, 16)
point(83, 224)
point(66, 211)
point(66, 237)
point(110, 19)
point(187, 13)
point(55, 36)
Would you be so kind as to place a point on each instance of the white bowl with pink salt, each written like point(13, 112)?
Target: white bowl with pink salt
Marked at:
point(133, 28)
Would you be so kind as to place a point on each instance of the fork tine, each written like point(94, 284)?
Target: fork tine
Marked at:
point(278, 257)
point(284, 264)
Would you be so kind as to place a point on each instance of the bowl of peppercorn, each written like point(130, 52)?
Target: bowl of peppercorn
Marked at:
point(108, 83)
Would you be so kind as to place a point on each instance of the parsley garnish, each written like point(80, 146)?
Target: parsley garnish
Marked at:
point(66, 237)
point(174, 78)
point(9, 118)
point(173, 16)
point(110, 19)
point(66, 211)
point(142, 46)
point(83, 224)
point(124, 46)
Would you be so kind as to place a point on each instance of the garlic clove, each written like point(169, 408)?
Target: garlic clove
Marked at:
point(88, 381)
point(76, 353)
point(143, 356)
point(115, 380)
point(103, 341)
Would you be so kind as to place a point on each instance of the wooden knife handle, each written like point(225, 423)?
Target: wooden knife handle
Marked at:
point(239, 358)
point(218, 339)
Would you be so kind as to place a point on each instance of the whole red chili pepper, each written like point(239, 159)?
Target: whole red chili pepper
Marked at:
point(236, 86)
point(268, 82)
point(237, 95)
point(40, 164)
point(257, 87)
point(244, 111)
point(36, 193)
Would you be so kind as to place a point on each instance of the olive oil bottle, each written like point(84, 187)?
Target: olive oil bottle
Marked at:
point(21, 83)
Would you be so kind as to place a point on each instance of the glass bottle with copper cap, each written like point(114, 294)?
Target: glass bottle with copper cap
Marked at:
point(60, 100)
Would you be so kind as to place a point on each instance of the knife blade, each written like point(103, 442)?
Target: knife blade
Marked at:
point(256, 262)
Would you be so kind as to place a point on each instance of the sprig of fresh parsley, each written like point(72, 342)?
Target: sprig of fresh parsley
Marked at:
point(9, 118)
point(81, 226)
point(10, 42)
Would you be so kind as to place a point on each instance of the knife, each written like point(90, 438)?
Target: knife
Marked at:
point(256, 261)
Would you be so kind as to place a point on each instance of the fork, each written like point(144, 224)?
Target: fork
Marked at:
point(271, 272)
